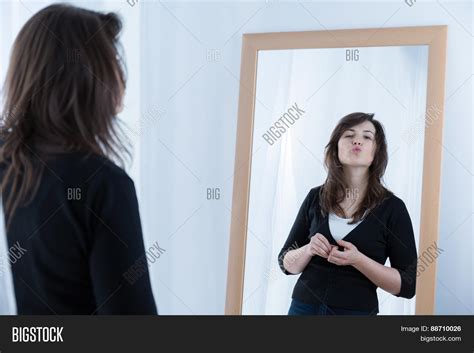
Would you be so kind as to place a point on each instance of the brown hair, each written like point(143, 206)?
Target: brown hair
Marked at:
point(63, 87)
point(335, 188)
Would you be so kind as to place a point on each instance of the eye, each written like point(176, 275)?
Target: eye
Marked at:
point(368, 137)
point(349, 135)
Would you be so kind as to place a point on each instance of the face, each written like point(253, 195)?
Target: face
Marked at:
point(357, 145)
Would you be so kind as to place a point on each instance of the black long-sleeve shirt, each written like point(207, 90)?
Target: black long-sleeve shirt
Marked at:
point(385, 232)
point(77, 241)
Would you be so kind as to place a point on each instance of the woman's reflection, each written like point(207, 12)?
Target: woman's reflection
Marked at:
point(347, 227)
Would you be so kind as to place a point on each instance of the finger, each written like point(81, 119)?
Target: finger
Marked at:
point(314, 249)
point(339, 255)
point(344, 243)
point(337, 260)
point(320, 252)
point(324, 240)
point(323, 246)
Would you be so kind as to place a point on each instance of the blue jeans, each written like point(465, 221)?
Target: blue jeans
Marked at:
point(300, 308)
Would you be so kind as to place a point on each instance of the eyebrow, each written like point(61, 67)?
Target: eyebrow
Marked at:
point(364, 131)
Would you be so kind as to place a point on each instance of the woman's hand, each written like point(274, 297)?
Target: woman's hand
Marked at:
point(319, 245)
point(350, 255)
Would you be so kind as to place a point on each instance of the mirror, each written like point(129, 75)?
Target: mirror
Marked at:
point(293, 99)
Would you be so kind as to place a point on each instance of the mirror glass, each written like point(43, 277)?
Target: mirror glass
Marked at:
point(301, 94)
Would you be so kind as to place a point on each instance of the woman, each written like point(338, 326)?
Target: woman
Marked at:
point(68, 207)
point(347, 227)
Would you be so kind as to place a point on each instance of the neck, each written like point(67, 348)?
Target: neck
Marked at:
point(356, 179)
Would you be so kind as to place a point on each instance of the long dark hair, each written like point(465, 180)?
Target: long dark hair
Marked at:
point(334, 189)
point(63, 89)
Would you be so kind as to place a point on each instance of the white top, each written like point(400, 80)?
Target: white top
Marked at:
point(339, 227)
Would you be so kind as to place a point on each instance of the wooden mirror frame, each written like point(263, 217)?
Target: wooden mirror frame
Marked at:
point(433, 36)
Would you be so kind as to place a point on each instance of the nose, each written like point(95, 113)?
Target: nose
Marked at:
point(356, 142)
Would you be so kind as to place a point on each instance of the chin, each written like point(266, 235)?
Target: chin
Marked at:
point(356, 165)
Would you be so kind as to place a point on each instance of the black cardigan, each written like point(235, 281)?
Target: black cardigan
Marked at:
point(80, 236)
point(385, 232)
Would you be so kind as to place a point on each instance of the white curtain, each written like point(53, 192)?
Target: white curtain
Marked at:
point(7, 292)
point(388, 81)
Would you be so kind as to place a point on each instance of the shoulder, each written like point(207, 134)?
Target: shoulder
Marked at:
point(395, 203)
point(106, 185)
point(395, 209)
point(315, 191)
point(86, 168)
point(104, 167)
point(313, 194)
point(105, 176)
point(311, 200)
